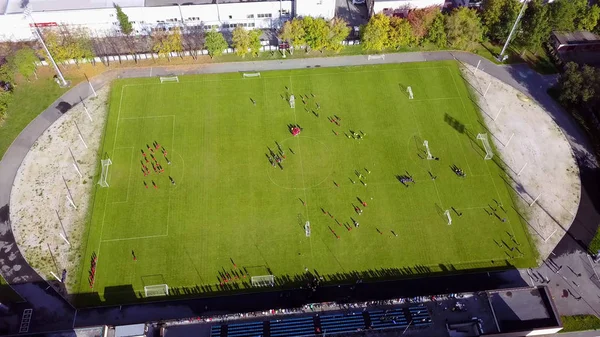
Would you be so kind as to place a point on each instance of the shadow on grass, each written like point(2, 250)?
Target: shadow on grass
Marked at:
point(312, 280)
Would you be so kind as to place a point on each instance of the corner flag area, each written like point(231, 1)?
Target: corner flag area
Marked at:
point(216, 179)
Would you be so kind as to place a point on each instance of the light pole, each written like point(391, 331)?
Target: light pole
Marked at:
point(36, 31)
point(512, 31)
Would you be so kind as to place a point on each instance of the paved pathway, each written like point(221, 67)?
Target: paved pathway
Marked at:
point(53, 313)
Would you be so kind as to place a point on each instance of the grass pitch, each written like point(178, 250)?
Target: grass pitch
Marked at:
point(232, 212)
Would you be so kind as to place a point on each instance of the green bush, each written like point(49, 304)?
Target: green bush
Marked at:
point(580, 323)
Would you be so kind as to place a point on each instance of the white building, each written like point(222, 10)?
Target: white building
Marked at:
point(99, 16)
point(377, 6)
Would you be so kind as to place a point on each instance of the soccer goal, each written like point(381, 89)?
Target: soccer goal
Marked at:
point(410, 93)
point(250, 75)
point(447, 214)
point(292, 102)
point(156, 290)
point(307, 228)
point(169, 79)
point(376, 57)
point(426, 144)
point(263, 281)
point(104, 175)
point(486, 145)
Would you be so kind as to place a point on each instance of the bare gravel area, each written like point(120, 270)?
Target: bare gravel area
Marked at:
point(60, 168)
point(537, 157)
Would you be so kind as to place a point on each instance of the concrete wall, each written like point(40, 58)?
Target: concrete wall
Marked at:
point(263, 15)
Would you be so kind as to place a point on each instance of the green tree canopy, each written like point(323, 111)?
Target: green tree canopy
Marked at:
point(240, 39)
point(255, 44)
point(578, 85)
point(166, 43)
point(421, 19)
point(374, 35)
point(337, 32)
point(317, 32)
point(535, 26)
point(293, 33)
point(498, 17)
point(565, 14)
point(23, 62)
point(436, 33)
point(215, 43)
point(400, 33)
point(124, 24)
point(464, 29)
point(588, 19)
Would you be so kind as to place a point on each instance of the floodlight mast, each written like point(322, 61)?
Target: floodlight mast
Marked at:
point(512, 31)
point(36, 32)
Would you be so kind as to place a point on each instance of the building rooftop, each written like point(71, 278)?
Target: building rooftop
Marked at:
point(582, 37)
point(523, 309)
point(18, 6)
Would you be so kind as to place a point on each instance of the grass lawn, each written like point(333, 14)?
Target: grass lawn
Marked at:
point(233, 214)
point(580, 323)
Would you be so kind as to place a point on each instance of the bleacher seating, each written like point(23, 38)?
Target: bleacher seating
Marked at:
point(295, 326)
point(245, 329)
point(342, 323)
point(420, 316)
point(215, 331)
point(388, 319)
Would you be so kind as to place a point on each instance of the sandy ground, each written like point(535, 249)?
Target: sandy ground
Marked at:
point(39, 202)
point(537, 157)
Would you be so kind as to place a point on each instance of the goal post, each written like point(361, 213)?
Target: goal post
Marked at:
point(104, 175)
point(169, 79)
point(409, 92)
point(245, 75)
point(156, 290)
point(376, 57)
point(447, 214)
point(263, 281)
point(307, 228)
point(292, 102)
point(486, 145)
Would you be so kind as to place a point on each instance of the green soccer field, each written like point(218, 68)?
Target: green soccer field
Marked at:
point(231, 213)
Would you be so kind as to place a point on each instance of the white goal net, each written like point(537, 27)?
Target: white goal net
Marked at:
point(251, 75)
point(263, 281)
point(376, 57)
point(169, 79)
point(307, 228)
point(486, 145)
point(156, 290)
point(292, 102)
point(410, 93)
point(104, 175)
point(426, 144)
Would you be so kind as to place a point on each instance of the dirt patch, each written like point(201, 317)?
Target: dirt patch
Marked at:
point(43, 218)
point(537, 157)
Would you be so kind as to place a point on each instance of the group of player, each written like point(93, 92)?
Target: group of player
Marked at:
point(153, 161)
point(276, 159)
point(232, 275)
point(92, 273)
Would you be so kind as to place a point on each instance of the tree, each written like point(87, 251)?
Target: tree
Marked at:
point(124, 24)
point(338, 31)
point(498, 17)
point(215, 43)
point(69, 43)
point(193, 39)
point(317, 32)
point(7, 73)
point(421, 20)
point(535, 25)
point(565, 14)
point(23, 62)
point(588, 20)
point(241, 41)
point(436, 33)
point(463, 28)
point(5, 99)
point(374, 35)
point(294, 34)
point(400, 33)
point(577, 84)
point(165, 43)
point(255, 44)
